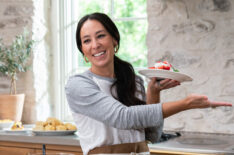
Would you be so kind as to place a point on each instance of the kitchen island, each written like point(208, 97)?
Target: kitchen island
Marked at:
point(25, 143)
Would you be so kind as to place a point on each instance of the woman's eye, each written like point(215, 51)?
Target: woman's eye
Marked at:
point(86, 41)
point(101, 35)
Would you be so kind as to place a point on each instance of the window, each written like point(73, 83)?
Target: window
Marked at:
point(128, 15)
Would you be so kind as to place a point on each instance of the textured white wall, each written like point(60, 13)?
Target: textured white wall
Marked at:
point(196, 36)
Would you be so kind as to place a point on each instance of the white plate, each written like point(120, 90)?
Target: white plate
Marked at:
point(166, 74)
point(8, 130)
point(54, 133)
point(6, 125)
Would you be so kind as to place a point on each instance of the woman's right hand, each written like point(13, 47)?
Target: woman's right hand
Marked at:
point(201, 101)
point(191, 102)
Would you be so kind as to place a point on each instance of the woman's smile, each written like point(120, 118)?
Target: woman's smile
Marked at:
point(99, 54)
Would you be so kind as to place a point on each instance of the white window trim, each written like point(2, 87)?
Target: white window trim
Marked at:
point(56, 57)
point(60, 72)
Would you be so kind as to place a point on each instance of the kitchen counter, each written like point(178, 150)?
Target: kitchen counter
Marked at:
point(205, 143)
point(28, 143)
point(28, 137)
point(187, 143)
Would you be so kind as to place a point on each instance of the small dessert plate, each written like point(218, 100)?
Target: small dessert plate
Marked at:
point(165, 74)
point(9, 130)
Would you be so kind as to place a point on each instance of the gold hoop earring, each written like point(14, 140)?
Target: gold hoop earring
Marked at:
point(86, 59)
point(116, 49)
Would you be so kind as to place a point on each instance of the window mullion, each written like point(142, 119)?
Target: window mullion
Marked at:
point(61, 56)
point(64, 58)
point(112, 8)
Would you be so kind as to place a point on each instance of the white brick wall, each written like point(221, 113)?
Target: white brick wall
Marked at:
point(196, 36)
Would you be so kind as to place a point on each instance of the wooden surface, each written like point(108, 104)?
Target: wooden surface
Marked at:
point(15, 151)
point(164, 152)
point(17, 148)
point(13, 148)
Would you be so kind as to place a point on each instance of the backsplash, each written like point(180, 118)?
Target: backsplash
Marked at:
point(197, 37)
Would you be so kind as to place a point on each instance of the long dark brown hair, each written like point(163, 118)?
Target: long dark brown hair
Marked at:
point(127, 84)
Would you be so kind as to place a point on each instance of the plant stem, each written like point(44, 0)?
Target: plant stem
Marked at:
point(13, 84)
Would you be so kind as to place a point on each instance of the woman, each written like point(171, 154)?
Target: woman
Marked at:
point(108, 101)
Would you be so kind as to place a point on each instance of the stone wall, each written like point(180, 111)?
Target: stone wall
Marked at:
point(196, 36)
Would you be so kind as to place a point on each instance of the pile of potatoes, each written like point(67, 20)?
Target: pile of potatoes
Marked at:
point(53, 124)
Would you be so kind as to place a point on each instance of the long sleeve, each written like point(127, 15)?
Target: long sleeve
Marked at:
point(84, 97)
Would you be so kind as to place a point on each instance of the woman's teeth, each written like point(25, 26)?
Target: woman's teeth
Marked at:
point(99, 54)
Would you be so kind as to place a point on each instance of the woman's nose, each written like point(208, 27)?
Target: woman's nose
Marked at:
point(95, 44)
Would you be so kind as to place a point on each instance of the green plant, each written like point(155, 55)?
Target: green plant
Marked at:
point(15, 57)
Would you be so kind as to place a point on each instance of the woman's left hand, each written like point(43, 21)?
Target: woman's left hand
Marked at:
point(157, 86)
point(154, 88)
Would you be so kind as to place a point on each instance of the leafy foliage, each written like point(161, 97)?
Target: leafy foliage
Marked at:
point(15, 57)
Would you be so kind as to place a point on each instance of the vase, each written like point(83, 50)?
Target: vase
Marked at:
point(11, 106)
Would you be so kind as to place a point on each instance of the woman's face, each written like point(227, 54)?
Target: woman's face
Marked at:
point(97, 44)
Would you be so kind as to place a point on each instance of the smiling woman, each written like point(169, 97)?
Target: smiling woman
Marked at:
point(131, 20)
point(98, 39)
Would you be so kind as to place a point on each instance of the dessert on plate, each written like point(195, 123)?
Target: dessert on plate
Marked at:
point(164, 65)
point(17, 126)
point(164, 70)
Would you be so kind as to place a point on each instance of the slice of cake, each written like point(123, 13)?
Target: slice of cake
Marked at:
point(164, 65)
